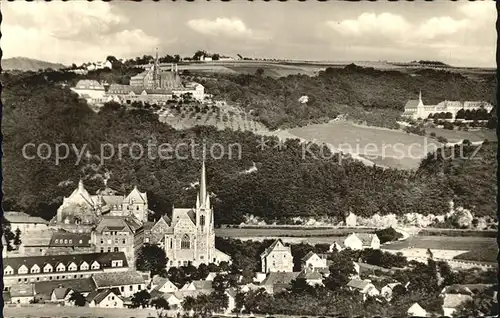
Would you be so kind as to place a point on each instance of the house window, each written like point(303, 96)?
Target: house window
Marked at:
point(185, 243)
point(131, 288)
point(139, 287)
point(102, 250)
point(109, 249)
point(115, 249)
point(202, 220)
point(123, 241)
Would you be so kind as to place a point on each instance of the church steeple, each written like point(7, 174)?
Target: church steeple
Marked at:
point(203, 187)
point(155, 71)
point(80, 185)
point(420, 97)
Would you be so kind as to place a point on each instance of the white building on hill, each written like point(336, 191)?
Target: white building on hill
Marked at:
point(416, 109)
point(277, 258)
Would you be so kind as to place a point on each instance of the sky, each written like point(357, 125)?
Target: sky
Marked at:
point(458, 33)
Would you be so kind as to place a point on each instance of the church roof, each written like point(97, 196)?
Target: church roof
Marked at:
point(116, 223)
point(112, 279)
point(179, 213)
point(137, 196)
point(279, 278)
point(412, 103)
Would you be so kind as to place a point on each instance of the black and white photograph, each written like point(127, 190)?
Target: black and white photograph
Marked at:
point(250, 159)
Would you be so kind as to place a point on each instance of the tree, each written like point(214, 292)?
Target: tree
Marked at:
point(222, 282)
point(218, 301)
point(160, 303)
point(239, 302)
point(259, 72)
point(341, 269)
point(78, 299)
point(151, 258)
point(141, 299)
point(17, 238)
point(215, 57)
point(300, 286)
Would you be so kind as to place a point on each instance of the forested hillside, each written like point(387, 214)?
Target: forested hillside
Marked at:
point(284, 185)
point(375, 96)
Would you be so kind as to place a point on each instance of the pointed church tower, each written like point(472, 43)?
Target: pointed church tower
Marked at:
point(80, 185)
point(203, 187)
point(155, 71)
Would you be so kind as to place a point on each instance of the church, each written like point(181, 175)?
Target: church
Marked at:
point(188, 238)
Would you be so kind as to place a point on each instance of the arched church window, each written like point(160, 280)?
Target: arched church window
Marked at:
point(202, 220)
point(185, 243)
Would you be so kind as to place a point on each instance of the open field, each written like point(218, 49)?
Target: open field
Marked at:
point(384, 147)
point(487, 254)
point(444, 243)
point(458, 135)
point(288, 232)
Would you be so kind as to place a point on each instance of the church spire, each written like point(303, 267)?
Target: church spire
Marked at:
point(203, 187)
point(80, 185)
point(155, 70)
point(420, 96)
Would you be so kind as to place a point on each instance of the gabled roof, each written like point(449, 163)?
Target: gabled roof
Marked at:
point(415, 307)
point(84, 285)
point(412, 103)
point(117, 223)
point(21, 217)
point(268, 250)
point(112, 279)
point(358, 284)
point(279, 278)
point(61, 292)
point(99, 295)
point(136, 196)
point(202, 284)
point(308, 256)
point(182, 213)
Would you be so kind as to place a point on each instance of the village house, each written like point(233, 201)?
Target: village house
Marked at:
point(278, 281)
point(277, 258)
point(106, 298)
point(44, 290)
point(335, 247)
point(127, 283)
point(61, 267)
point(361, 241)
point(311, 276)
point(211, 276)
point(174, 300)
point(61, 295)
point(416, 310)
point(313, 261)
point(197, 287)
point(161, 285)
point(350, 220)
point(21, 293)
point(365, 287)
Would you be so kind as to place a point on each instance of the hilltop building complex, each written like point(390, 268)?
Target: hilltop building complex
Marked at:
point(415, 109)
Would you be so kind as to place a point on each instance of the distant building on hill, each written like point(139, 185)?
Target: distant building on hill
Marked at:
point(156, 86)
point(92, 91)
point(415, 109)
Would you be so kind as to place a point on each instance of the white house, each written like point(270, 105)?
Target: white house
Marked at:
point(335, 247)
point(128, 283)
point(174, 300)
point(21, 293)
point(61, 295)
point(416, 311)
point(277, 258)
point(311, 276)
point(25, 223)
point(353, 242)
point(313, 260)
point(365, 287)
point(350, 220)
point(104, 299)
point(162, 285)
